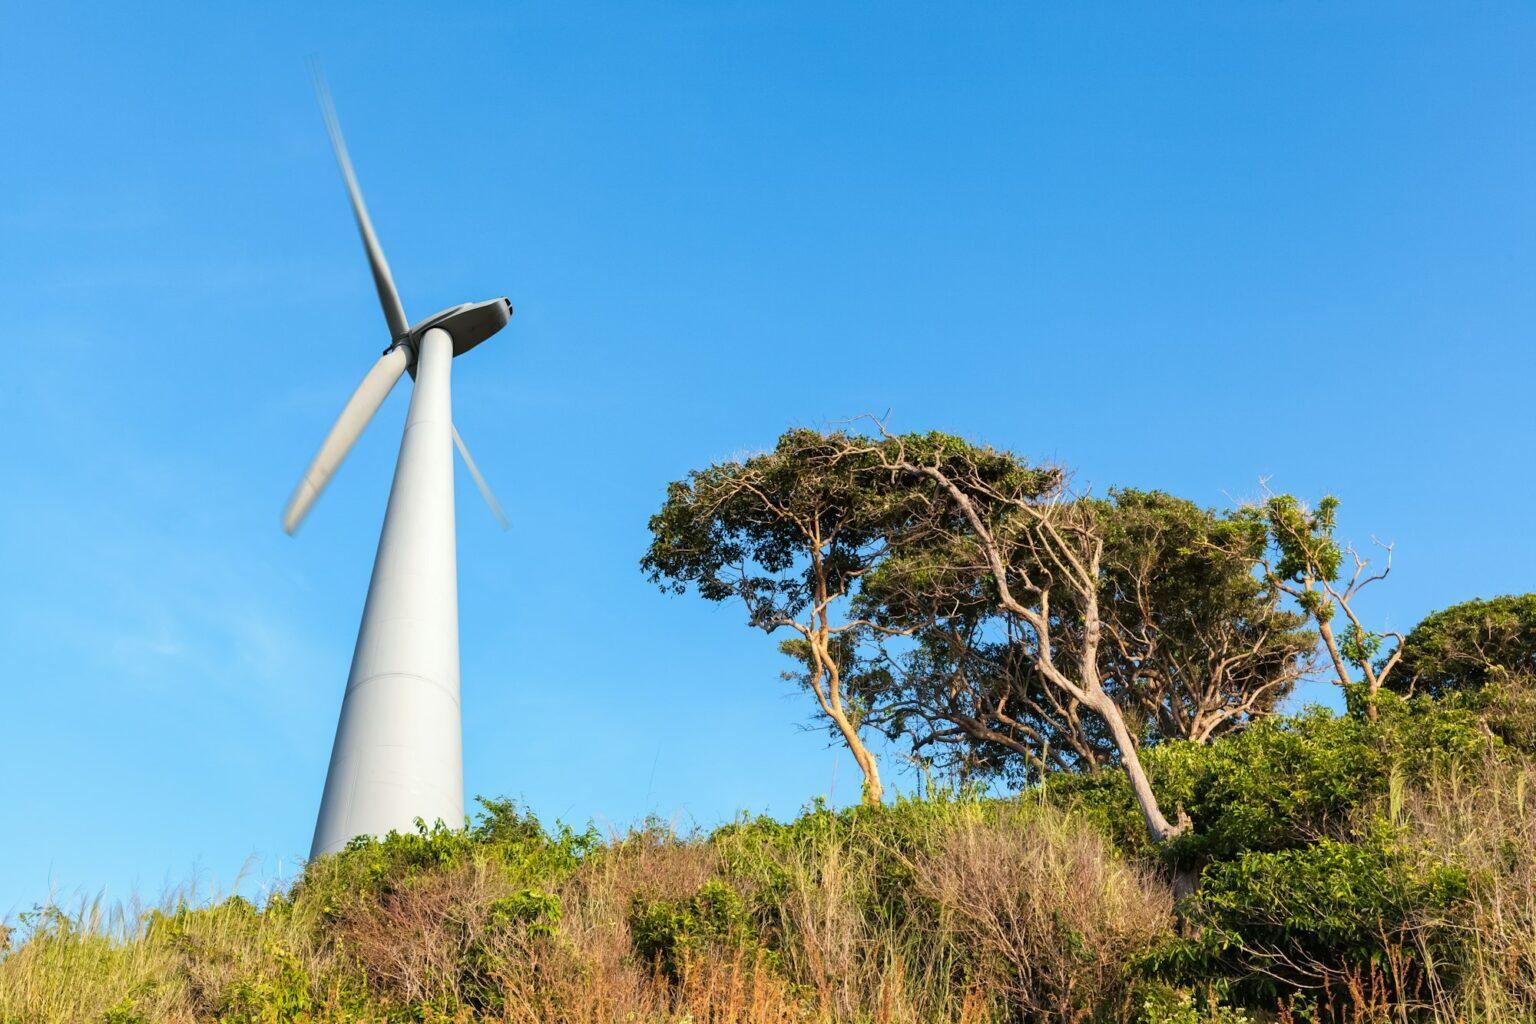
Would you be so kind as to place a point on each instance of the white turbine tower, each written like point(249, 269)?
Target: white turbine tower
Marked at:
point(398, 753)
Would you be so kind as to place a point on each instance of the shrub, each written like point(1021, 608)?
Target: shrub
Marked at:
point(534, 911)
point(1272, 924)
point(516, 843)
point(1282, 783)
point(1468, 645)
point(283, 993)
point(1164, 1005)
point(668, 934)
point(1506, 709)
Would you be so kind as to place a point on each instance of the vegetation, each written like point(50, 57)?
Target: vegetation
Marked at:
point(1347, 870)
point(1468, 645)
point(1116, 822)
point(1191, 643)
point(960, 597)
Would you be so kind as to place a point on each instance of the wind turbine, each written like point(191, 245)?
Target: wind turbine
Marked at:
point(398, 754)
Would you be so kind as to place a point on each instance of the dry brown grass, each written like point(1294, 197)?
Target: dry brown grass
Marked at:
point(564, 987)
point(1023, 914)
point(1485, 821)
point(835, 952)
point(1047, 913)
point(413, 943)
point(1031, 913)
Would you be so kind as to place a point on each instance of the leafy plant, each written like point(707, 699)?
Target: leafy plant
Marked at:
point(668, 934)
point(1167, 1005)
point(1274, 923)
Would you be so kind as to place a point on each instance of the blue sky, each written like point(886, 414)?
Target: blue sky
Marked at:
point(1183, 247)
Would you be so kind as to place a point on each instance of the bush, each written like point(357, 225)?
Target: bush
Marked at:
point(669, 934)
point(1275, 923)
point(1469, 645)
point(514, 842)
point(1164, 1005)
point(1282, 783)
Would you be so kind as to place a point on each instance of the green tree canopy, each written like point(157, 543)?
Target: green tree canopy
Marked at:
point(1468, 645)
point(1304, 560)
point(1198, 640)
point(794, 532)
point(1192, 643)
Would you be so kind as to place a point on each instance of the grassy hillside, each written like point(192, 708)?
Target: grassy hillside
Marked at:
point(1337, 869)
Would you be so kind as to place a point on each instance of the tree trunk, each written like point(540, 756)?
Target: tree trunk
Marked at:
point(1158, 826)
point(874, 793)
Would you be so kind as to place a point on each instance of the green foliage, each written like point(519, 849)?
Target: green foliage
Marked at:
point(285, 994)
point(670, 933)
point(515, 842)
point(776, 528)
point(1283, 781)
point(1191, 624)
point(1190, 639)
point(1506, 709)
point(534, 911)
point(1275, 785)
point(1333, 894)
point(1167, 1005)
point(817, 515)
point(1275, 923)
point(1469, 645)
point(796, 533)
point(1359, 646)
point(1304, 876)
point(124, 1013)
point(1303, 539)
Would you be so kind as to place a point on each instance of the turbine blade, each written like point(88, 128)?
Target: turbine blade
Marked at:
point(365, 401)
point(485, 488)
point(389, 298)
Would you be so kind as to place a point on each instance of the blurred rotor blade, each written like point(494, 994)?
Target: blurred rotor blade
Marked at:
point(389, 298)
point(365, 401)
point(485, 488)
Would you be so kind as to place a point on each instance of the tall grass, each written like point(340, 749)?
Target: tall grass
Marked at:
point(927, 912)
point(941, 910)
point(124, 964)
point(1484, 820)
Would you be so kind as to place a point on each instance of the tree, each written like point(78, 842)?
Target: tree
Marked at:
point(1193, 644)
point(989, 530)
point(968, 698)
point(1307, 563)
point(1198, 642)
point(1468, 645)
point(791, 533)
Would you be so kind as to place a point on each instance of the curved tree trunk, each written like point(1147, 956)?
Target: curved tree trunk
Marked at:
point(874, 793)
point(832, 703)
point(1159, 828)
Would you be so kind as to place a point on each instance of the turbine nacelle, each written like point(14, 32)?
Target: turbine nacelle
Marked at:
point(468, 323)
